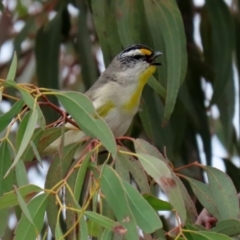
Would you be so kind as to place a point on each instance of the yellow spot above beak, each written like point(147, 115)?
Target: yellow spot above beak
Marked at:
point(146, 51)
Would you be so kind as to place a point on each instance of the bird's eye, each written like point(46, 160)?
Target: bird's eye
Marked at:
point(137, 56)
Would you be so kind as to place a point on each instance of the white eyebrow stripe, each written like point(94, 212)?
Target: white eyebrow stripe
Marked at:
point(132, 53)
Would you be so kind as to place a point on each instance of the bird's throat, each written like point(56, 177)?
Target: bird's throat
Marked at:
point(133, 101)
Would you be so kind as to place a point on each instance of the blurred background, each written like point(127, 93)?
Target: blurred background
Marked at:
point(61, 45)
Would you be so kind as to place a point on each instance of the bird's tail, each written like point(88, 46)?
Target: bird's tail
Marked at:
point(71, 136)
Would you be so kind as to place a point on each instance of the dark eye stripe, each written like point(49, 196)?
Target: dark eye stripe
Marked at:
point(138, 56)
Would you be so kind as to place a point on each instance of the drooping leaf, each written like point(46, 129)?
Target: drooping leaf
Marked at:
point(116, 198)
point(136, 171)
point(21, 174)
point(105, 22)
point(32, 104)
point(36, 207)
point(5, 163)
point(223, 193)
point(89, 68)
point(168, 27)
point(47, 49)
point(204, 235)
point(57, 170)
point(222, 44)
point(161, 173)
point(83, 229)
point(229, 227)
point(146, 218)
point(157, 204)
point(82, 111)
point(107, 223)
point(12, 69)
point(204, 195)
point(80, 177)
point(26, 138)
point(6, 118)
point(9, 199)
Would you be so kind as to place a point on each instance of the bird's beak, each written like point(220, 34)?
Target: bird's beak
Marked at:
point(153, 57)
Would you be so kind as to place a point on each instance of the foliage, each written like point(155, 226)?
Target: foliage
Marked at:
point(111, 190)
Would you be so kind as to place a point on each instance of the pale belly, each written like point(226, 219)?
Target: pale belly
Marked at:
point(119, 121)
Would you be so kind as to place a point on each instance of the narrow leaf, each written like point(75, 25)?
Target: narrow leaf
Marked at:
point(10, 199)
point(157, 204)
point(105, 222)
point(161, 173)
point(168, 28)
point(6, 118)
point(82, 111)
point(13, 68)
point(230, 227)
point(223, 193)
point(24, 207)
point(26, 138)
point(146, 218)
point(116, 198)
point(36, 207)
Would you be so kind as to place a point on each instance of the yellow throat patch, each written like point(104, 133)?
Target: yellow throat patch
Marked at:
point(134, 99)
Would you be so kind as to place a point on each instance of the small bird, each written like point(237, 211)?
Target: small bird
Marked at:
point(117, 92)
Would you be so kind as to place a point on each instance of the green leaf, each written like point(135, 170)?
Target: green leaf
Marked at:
point(82, 111)
point(5, 163)
point(115, 195)
point(6, 118)
point(26, 138)
point(142, 146)
point(21, 174)
point(9, 199)
point(168, 28)
point(57, 170)
point(58, 231)
point(222, 44)
point(22, 129)
point(223, 193)
point(3, 223)
point(13, 68)
point(162, 174)
point(138, 174)
point(88, 65)
point(121, 168)
point(93, 228)
point(230, 227)
point(106, 26)
point(146, 218)
point(37, 207)
point(47, 49)
point(80, 177)
point(157, 87)
point(49, 136)
point(30, 101)
point(105, 222)
point(83, 229)
point(157, 204)
point(24, 207)
point(106, 235)
point(204, 195)
point(204, 235)
point(31, 150)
